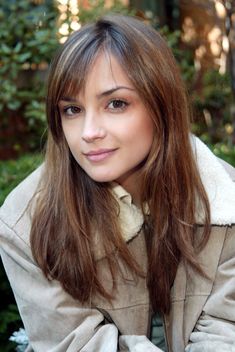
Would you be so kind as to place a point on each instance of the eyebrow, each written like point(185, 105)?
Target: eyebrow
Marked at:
point(112, 90)
point(100, 95)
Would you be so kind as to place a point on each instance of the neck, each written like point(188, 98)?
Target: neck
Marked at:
point(132, 186)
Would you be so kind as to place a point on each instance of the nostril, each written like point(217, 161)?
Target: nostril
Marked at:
point(91, 135)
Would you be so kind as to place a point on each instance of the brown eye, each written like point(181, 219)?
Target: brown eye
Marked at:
point(117, 104)
point(72, 110)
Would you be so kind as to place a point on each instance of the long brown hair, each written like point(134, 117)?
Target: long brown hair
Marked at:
point(71, 204)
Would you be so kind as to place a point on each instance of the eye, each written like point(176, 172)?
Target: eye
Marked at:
point(117, 104)
point(71, 110)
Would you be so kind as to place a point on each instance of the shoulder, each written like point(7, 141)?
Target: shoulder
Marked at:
point(228, 168)
point(217, 177)
point(15, 210)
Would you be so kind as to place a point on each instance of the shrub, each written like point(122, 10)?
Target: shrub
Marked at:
point(28, 38)
point(12, 172)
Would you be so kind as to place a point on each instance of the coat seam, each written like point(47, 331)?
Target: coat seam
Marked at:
point(13, 230)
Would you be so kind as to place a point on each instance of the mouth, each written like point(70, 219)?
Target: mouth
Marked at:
point(100, 154)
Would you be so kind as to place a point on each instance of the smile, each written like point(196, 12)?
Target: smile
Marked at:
point(99, 155)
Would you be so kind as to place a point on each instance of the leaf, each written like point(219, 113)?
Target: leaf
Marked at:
point(23, 57)
point(7, 316)
point(5, 49)
point(14, 105)
point(18, 47)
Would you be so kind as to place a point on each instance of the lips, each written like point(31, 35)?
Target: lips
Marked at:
point(99, 155)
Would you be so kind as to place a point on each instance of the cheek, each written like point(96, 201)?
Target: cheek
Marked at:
point(146, 140)
point(139, 140)
point(72, 137)
point(145, 144)
point(148, 130)
point(145, 133)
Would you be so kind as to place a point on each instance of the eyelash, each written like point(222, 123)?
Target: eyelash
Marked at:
point(123, 103)
point(77, 110)
point(67, 108)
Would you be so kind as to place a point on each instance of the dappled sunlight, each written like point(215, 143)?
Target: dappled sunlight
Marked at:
point(189, 31)
point(204, 29)
point(220, 9)
point(69, 11)
point(215, 38)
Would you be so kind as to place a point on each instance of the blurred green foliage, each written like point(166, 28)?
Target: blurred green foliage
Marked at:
point(98, 8)
point(212, 109)
point(28, 39)
point(224, 151)
point(209, 93)
point(10, 319)
point(183, 56)
point(12, 173)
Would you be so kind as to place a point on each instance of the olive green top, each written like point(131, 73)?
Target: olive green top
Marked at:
point(158, 333)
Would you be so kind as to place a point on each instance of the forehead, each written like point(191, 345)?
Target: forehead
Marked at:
point(106, 72)
point(103, 74)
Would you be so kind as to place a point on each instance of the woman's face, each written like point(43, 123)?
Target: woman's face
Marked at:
point(107, 127)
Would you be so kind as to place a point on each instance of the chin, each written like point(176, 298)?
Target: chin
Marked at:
point(101, 178)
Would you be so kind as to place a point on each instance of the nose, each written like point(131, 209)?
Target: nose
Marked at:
point(93, 128)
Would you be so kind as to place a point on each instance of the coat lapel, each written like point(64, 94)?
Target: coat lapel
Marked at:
point(190, 291)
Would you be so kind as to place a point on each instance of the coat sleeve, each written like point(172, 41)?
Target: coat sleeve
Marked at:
point(53, 320)
point(215, 329)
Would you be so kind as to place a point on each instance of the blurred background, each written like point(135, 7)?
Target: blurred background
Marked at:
point(201, 34)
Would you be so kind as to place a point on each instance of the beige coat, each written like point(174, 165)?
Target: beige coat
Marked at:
point(203, 310)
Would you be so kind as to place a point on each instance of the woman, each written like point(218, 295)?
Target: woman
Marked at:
point(124, 239)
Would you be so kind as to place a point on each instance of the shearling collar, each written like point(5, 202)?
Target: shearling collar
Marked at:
point(218, 185)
